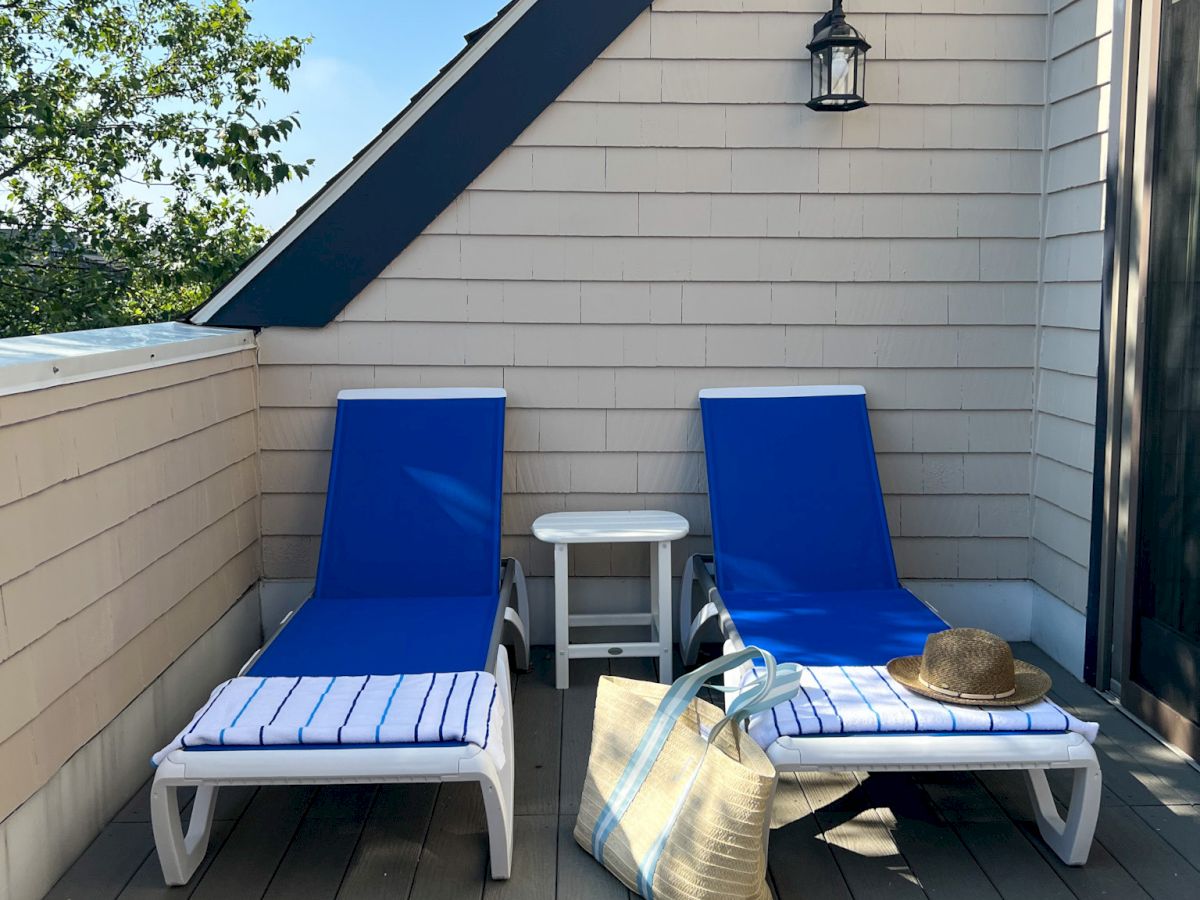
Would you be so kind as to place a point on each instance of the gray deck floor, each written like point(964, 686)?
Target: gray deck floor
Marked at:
point(839, 836)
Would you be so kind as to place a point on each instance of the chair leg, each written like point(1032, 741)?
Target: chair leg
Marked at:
point(707, 611)
point(516, 594)
point(178, 855)
point(687, 585)
point(499, 790)
point(1071, 839)
point(519, 638)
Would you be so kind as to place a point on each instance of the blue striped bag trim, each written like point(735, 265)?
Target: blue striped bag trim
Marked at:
point(670, 708)
point(758, 696)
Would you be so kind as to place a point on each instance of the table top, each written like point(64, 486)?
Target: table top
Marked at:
point(611, 527)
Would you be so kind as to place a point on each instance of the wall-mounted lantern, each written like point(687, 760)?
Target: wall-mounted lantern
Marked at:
point(839, 64)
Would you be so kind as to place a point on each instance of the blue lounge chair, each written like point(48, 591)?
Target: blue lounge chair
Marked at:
point(407, 583)
point(803, 568)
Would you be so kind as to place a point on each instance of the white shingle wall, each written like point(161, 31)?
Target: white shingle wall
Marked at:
point(678, 220)
point(1077, 117)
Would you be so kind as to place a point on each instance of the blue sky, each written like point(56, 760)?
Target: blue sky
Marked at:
point(366, 59)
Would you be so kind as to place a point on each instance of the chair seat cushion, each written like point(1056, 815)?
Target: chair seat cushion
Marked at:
point(384, 636)
point(844, 628)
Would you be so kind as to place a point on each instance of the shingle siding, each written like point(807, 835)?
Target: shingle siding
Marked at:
point(677, 220)
point(1076, 144)
point(130, 526)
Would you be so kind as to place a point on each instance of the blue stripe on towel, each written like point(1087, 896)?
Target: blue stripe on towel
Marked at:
point(249, 700)
point(213, 699)
point(387, 707)
point(353, 704)
point(858, 690)
point(446, 707)
point(282, 703)
point(421, 714)
point(308, 721)
point(832, 705)
point(820, 724)
point(916, 721)
point(470, 700)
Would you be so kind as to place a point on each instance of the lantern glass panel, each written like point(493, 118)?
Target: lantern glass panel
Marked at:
point(820, 74)
point(842, 72)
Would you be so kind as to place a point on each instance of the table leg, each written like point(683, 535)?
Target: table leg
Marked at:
point(662, 588)
point(562, 634)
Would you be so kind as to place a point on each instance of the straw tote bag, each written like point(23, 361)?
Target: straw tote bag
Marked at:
point(676, 803)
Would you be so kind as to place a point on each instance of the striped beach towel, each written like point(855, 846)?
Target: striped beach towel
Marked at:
point(866, 700)
point(347, 710)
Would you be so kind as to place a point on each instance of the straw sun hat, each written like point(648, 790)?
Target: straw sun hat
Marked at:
point(971, 667)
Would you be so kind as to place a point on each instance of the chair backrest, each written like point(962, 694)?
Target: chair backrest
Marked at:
point(794, 490)
point(413, 506)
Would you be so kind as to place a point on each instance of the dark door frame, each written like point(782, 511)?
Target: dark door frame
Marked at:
point(1136, 29)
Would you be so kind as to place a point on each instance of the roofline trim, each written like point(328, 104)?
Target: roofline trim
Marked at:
point(348, 176)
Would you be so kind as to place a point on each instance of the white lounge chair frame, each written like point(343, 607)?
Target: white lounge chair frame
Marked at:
point(180, 854)
point(1034, 754)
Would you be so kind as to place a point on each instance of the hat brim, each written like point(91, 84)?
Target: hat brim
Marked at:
point(1032, 683)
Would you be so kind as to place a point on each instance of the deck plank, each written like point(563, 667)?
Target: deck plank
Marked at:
point(1179, 826)
point(1155, 864)
point(960, 797)
point(147, 883)
point(535, 867)
point(579, 705)
point(942, 864)
point(580, 876)
point(323, 845)
point(639, 668)
point(1103, 876)
point(385, 859)
point(232, 802)
point(316, 860)
point(107, 865)
point(800, 861)
point(454, 860)
point(870, 862)
point(1010, 862)
point(247, 862)
point(538, 718)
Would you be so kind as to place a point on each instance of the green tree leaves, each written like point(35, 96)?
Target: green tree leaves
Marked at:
point(131, 134)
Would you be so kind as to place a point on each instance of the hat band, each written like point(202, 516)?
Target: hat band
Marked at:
point(961, 695)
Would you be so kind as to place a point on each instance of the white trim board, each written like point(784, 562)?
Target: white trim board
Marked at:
point(48, 360)
point(331, 192)
point(826, 390)
point(1015, 610)
point(448, 393)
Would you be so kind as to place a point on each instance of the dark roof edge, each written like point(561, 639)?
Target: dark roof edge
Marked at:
point(425, 158)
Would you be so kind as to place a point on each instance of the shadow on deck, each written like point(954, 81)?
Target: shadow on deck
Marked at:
point(838, 836)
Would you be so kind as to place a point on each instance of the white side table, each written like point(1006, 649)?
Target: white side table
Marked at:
point(634, 526)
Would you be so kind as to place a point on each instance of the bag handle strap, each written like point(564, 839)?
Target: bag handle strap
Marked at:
point(670, 708)
point(759, 694)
